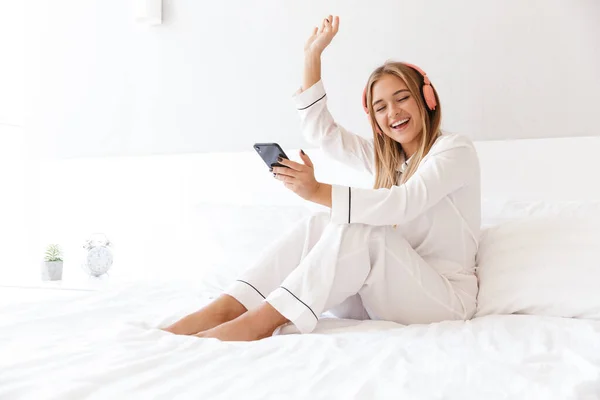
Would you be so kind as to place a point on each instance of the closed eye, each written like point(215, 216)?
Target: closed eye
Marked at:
point(399, 101)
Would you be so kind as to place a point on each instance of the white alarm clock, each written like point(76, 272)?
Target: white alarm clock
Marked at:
point(99, 257)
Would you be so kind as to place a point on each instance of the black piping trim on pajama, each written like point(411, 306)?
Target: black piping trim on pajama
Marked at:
point(313, 313)
point(349, 202)
point(261, 295)
point(316, 101)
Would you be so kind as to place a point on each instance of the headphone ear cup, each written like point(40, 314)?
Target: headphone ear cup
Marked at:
point(428, 94)
point(364, 100)
point(364, 103)
point(429, 97)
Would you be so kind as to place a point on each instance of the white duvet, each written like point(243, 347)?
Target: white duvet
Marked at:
point(106, 345)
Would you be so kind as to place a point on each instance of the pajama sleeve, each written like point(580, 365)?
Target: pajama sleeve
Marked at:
point(319, 129)
point(440, 174)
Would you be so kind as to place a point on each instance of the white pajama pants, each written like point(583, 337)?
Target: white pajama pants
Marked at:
point(355, 271)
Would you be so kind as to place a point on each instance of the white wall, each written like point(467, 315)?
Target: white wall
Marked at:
point(14, 190)
point(18, 169)
point(218, 76)
point(11, 63)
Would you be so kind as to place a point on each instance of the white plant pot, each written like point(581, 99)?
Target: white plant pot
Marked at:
point(52, 270)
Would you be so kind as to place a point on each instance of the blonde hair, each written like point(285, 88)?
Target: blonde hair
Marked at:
point(388, 152)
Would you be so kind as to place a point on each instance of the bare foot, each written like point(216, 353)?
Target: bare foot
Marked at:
point(240, 329)
point(196, 322)
point(223, 309)
point(254, 325)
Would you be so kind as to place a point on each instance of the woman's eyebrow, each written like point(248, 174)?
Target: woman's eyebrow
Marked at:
point(398, 91)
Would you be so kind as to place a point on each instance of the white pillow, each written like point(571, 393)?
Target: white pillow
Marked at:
point(494, 211)
point(541, 265)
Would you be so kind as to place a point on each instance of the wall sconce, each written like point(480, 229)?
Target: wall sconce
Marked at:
point(148, 12)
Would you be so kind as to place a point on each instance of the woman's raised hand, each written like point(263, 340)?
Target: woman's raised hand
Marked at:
point(321, 37)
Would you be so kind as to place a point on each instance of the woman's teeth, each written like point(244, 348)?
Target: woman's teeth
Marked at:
point(400, 124)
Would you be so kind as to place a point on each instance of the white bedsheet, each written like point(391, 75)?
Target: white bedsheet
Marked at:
point(105, 345)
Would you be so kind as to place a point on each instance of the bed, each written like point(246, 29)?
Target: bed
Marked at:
point(532, 338)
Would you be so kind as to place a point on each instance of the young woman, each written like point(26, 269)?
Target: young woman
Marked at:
point(403, 251)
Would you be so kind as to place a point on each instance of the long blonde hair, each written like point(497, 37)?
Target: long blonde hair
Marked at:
point(388, 152)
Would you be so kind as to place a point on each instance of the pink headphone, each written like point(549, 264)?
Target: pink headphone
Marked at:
point(428, 94)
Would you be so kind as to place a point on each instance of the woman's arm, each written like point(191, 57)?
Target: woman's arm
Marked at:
point(320, 129)
point(317, 124)
point(312, 70)
point(449, 166)
point(442, 172)
point(314, 47)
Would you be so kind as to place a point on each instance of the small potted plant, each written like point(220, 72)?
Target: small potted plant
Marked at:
point(53, 264)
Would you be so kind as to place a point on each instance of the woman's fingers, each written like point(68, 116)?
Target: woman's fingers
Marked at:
point(322, 28)
point(306, 159)
point(282, 171)
point(288, 180)
point(285, 178)
point(312, 37)
point(292, 164)
point(323, 35)
point(335, 24)
point(327, 25)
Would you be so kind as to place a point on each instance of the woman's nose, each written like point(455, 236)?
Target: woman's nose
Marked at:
point(394, 111)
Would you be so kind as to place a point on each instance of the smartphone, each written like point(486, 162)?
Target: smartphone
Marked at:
point(269, 152)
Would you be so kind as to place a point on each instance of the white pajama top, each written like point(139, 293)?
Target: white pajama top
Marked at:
point(438, 210)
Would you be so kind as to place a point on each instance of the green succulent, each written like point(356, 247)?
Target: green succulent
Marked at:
point(53, 253)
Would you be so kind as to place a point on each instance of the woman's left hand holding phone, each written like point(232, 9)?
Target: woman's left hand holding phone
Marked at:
point(299, 178)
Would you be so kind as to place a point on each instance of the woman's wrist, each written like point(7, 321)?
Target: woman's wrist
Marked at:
point(322, 194)
point(311, 55)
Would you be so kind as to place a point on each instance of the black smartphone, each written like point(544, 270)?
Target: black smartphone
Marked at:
point(269, 152)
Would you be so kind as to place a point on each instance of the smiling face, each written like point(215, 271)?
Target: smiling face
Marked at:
point(397, 112)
